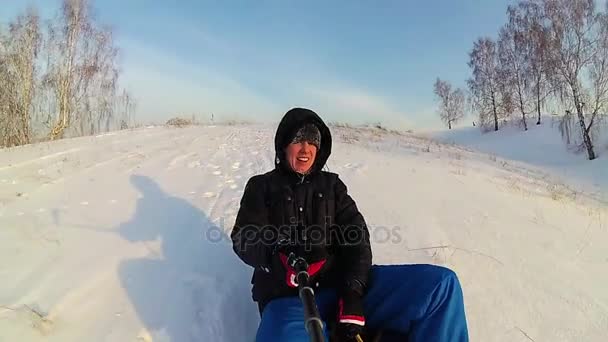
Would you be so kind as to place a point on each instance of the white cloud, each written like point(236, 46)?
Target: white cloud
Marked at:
point(165, 85)
point(350, 104)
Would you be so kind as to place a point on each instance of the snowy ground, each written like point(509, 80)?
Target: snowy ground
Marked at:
point(115, 237)
point(542, 146)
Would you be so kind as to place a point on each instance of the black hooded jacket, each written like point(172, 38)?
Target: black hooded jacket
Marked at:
point(315, 212)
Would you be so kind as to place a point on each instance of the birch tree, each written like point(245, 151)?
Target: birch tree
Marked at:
point(19, 49)
point(488, 92)
point(516, 50)
point(451, 102)
point(81, 71)
point(578, 59)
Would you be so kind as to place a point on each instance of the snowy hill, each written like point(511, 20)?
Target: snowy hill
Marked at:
point(123, 237)
point(541, 146)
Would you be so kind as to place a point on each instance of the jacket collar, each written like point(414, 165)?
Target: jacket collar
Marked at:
point(296, 178)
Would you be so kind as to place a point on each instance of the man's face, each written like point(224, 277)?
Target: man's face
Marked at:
point(301, 156)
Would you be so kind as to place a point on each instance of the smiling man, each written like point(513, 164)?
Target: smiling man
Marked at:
point(299, 208)
point(302, 150)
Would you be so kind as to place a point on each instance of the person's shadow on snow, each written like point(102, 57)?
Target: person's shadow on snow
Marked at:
point(192, 287)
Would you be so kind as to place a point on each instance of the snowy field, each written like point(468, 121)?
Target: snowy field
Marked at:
point(119, 237)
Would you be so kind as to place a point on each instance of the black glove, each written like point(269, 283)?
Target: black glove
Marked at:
point(306, 247)
point(284, 246)
point(351, 319)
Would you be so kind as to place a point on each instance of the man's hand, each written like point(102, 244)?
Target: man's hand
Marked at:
point(346, 332)
point(284, 246)
point(351, 319)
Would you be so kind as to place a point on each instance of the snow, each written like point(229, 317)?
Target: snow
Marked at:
point(124, 237)
point(541, 146)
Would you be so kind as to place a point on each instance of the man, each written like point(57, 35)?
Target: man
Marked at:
point(299, 208)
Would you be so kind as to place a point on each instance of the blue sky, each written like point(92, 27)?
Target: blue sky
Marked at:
point(356, 61)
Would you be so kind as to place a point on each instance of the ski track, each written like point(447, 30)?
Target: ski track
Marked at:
point(96, 259)
point(123, 163)
point(75, 161)
point(15, 152)
point(40, 159)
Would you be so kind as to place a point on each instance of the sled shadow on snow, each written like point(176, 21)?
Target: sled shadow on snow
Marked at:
point(192, 287)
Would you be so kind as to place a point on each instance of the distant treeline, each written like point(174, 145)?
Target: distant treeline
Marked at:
point(549, 51)
point(59, 77)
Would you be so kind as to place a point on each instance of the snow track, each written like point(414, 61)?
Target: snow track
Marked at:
point(125, 236)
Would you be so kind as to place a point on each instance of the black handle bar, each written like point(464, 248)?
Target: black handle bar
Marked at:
point(312, 319)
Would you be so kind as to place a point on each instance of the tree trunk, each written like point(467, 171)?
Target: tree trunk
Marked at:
point(585, 132)
point(495, 113)
point(449, 124)
point(25, 104)
point(586, 137)
point(60, 126)
point(523, 113)
point(66, 79)
point(538, 102)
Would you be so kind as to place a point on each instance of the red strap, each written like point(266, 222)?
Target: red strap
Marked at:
point(291, 273)
point(315, 267)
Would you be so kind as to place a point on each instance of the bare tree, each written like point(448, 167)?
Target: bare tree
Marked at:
point(81, 71)
point(60, 81)
point(598, 70)
point(518, 51)
point(451, 102)
point(489, 95)
point(99, 113)
point(577, 55)
point(538, 38)
point(6, 127)
point(62, 49)
point(126, 109)
point(18, 78)
point(526, 19)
